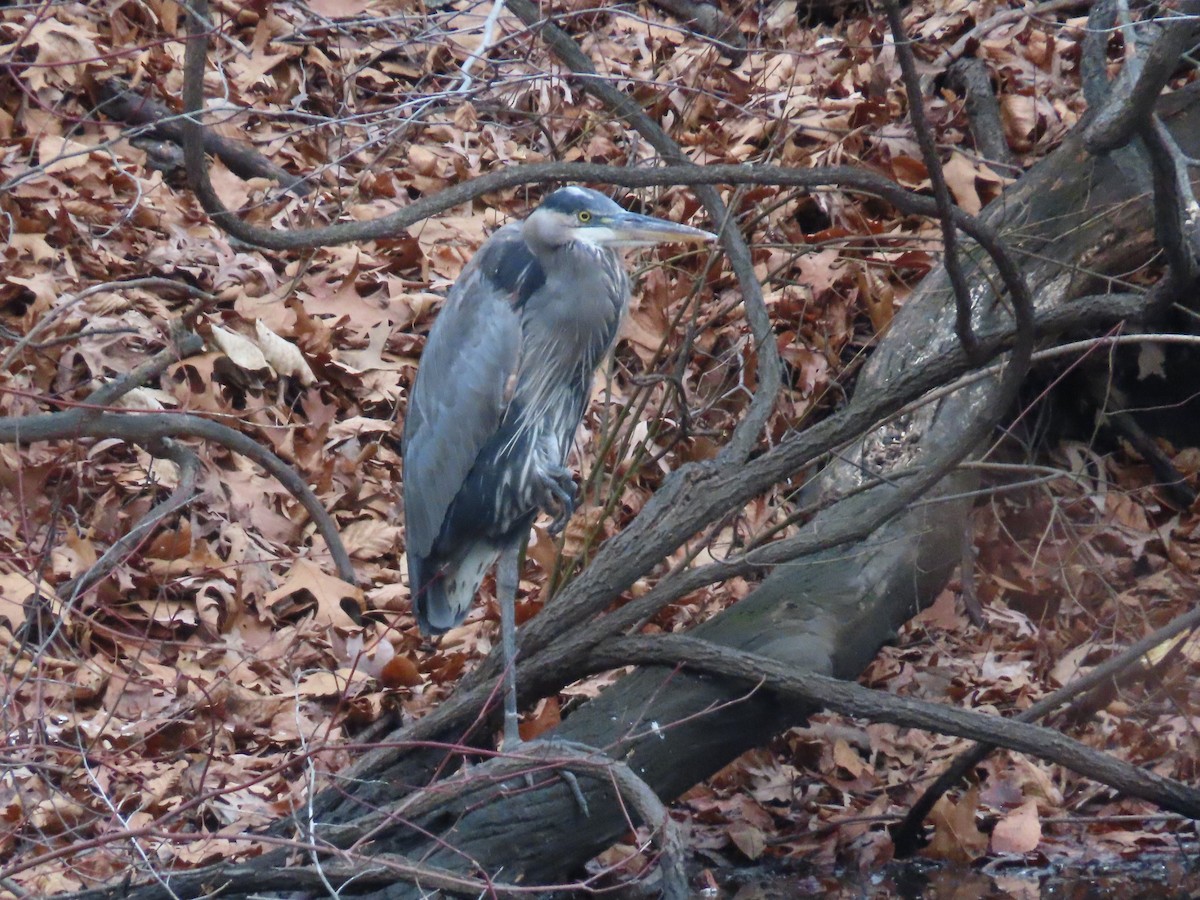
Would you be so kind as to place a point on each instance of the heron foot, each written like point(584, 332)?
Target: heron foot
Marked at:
point(559, 498)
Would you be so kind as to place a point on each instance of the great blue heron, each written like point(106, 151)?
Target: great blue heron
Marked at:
point(502, 386)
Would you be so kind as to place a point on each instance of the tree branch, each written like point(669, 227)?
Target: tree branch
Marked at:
point(1124, 116)
point(854, 700)
point(906, 834)
point(146, 429)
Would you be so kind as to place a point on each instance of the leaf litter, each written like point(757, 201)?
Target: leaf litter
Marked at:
point(221, 670)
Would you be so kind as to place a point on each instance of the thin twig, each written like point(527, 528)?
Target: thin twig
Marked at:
point(68, 303)
point(854, 700)
point(146, 428)
point(181, 496)
point(937, 180)
point(906, 834)
point(485, 44)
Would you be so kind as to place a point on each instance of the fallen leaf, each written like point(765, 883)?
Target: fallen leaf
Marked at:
point(309, 588)
point(241, 351)
point(956, 838)
point(1018, 832)
point(282, 355)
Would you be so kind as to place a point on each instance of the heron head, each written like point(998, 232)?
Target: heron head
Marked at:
point(580, 214)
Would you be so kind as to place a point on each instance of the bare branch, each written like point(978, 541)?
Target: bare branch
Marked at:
point(118, 101)
point(854, 700)
point(906, 834)
point(1123, 116)
point(181, 496)
point(148, 428)
point(937, 180)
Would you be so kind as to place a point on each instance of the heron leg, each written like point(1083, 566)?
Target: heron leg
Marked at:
point(559, 497)
point(508, 574)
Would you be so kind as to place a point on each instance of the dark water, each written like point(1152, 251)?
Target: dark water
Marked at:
point(1153, 878)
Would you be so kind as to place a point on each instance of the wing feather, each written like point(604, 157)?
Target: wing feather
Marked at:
point(463, 385)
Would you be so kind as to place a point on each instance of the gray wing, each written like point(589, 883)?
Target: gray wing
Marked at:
point(462, 385)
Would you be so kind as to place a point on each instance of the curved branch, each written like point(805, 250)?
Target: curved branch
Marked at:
point(547, 758)
point(905, 835)
point(735, 246)
point(844, 177)
point(147, 428)
point(748, 431)
point(185, 491)
point(854, 700)
point(1125, 115)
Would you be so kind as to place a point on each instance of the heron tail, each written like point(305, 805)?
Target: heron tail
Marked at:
point(442, 594)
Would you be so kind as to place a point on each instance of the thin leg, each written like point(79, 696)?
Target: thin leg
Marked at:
point(508, 575)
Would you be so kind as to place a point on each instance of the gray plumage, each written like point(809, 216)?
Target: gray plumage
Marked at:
point(502, 386)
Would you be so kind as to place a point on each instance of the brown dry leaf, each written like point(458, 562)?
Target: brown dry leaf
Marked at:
point(241, 351)
point(1069, 665)
point(62, 49)
point(57, 154)
point(748, 839)
point(370, 538)
point(57, 814)
point(282, 355)
point(1018, 113)
point(880, 299)
point(1018, 832)
point(643, 332)
point(956, 838)
point(1186, 644)
point(15, 591)
point(329, 684)
point(848, 758)
point(336, 9)
point(1035, 782)
point(450, 241)
point(337, 295)
point(399, 671)
point(359, 426)
point(960, 172)
point(74, 556)
point(309, 588)
point(546, 716)
point(147, 399)
point(943, 613)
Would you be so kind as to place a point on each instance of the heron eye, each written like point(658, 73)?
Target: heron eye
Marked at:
point(585, 216)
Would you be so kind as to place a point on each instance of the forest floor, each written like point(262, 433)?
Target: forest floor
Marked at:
point(221, 669)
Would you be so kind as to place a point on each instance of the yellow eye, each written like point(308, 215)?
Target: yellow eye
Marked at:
point(584, 216)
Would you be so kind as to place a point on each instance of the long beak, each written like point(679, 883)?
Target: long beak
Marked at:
point(633, 230)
